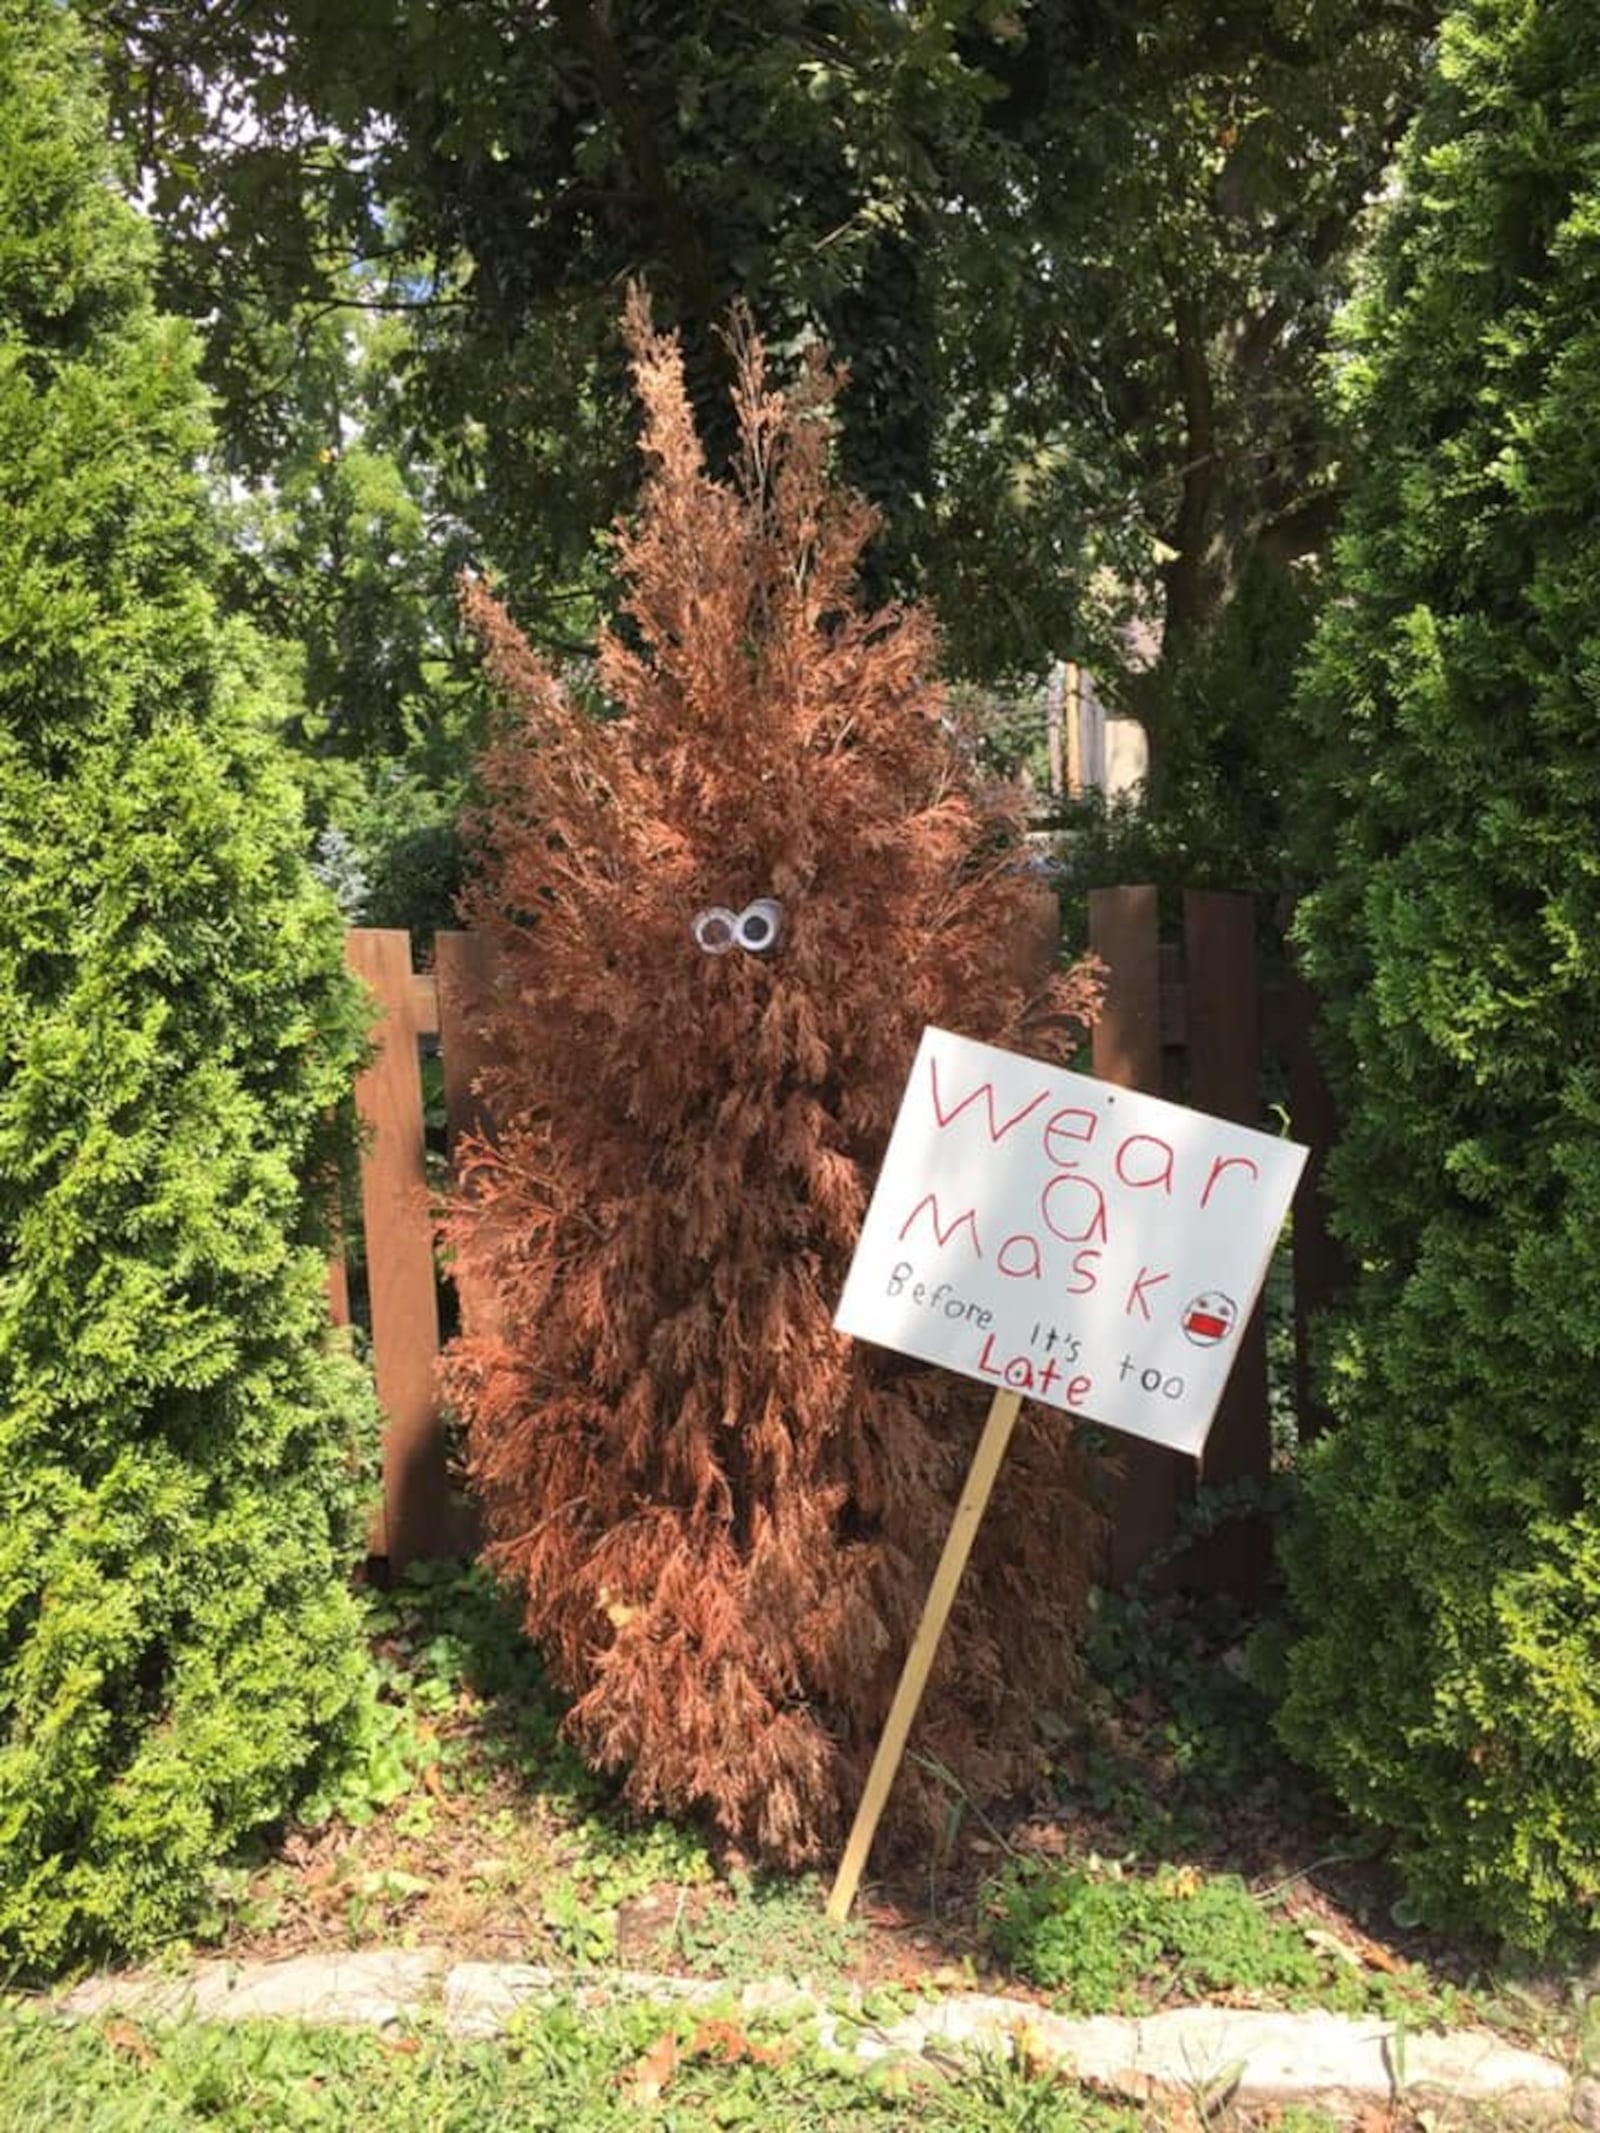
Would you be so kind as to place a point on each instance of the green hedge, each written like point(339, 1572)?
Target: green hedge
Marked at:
point(1447, 1570)
point(182, 1453)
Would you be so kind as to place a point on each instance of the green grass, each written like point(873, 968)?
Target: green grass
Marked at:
point(1105, 1940)
point(770, 1927)
point(463, 1812)
point(445, 1644)
point(566, 2070)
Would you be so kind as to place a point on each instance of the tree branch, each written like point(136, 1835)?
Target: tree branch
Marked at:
point(586, 26)
point(1184, 576)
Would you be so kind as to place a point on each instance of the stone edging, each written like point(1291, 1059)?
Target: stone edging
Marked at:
point(1217, 2052)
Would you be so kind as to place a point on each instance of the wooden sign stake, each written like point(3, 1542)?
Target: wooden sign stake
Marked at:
point(914, 1676)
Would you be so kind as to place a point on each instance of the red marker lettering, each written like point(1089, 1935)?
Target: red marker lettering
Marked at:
point(968, 1218)
point(1142, 1281)
point(985, 1089)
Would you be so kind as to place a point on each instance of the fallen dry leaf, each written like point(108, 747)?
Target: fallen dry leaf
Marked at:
point(1034, 2055)
point(1354, 1947)
point(727, 2042)
point(1179, 2114)
point(1048, 1839)
point(719, 2040)
point(646, 2080)
point(128, 2038)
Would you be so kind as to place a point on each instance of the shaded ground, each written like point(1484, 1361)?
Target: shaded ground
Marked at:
point(467, 1823)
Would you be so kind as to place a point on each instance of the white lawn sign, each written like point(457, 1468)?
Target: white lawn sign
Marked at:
point(1061, 1240)
point(1084, 1245)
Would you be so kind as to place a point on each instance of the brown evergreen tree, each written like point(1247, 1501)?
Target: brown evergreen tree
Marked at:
point(723, 1515)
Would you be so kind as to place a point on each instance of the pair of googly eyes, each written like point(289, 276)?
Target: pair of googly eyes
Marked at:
point(755, 928)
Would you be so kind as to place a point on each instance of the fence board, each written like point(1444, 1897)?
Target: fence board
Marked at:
point(338, 1287)
point(466, 972)
point(1127, 1050)
point(1189, 1028)
point(1224, 1044)
point(465, 966)
point(1127, 1037)
point(414, 1519)
point(1224, 1038)
point(1223, 1021)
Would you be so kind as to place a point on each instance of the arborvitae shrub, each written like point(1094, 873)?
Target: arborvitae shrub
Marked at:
point(723, 1516)
point(1448, 1567)
point(181, 1452)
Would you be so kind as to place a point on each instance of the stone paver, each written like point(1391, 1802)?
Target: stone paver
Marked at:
point(1220, 2051)
point(1212, 2051)
point(374, 1988)
point(480, 1998)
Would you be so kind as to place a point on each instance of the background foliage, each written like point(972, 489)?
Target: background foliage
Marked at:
point(1080, 261)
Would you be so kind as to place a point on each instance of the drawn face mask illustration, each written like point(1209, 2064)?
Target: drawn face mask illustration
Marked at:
point(755, 928)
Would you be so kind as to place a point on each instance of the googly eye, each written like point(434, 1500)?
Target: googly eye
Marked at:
point(715, 930)
point(759, 925)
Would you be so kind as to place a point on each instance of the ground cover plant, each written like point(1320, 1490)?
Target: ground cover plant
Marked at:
point(723, 1519)
point(565, 2070)
point(569, 2069)
point(1171, 1855)
point(471, 1826)
point(183, 1453)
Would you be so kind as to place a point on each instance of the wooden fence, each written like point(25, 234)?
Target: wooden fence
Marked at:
point(418, 1012)
point(1188, 1019)
point(1191, 1020)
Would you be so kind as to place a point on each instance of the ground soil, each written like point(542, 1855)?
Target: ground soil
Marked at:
point(494, 1853)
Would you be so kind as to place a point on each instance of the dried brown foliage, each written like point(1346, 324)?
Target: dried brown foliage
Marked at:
point(724, 1516)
